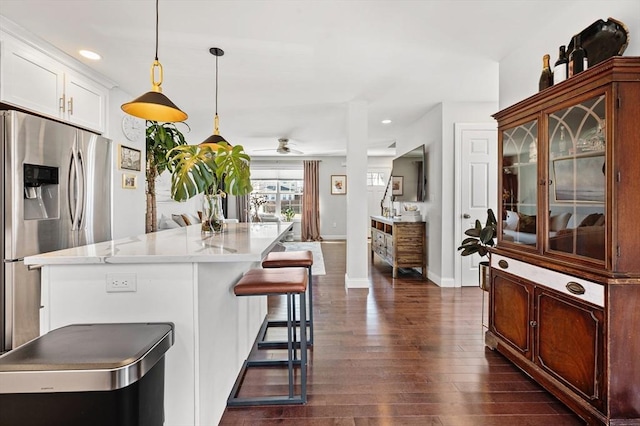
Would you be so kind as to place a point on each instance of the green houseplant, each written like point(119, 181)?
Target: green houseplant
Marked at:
point(479, 240)
point(288, 214)
point(212, 168)
point(161, 138)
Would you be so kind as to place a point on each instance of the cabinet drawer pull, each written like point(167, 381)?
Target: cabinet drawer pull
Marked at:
point(575, 288)
point(503, 264)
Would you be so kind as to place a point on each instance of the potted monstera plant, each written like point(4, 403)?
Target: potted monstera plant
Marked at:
point(213, 169)
point(161, 138)
point(479, 240)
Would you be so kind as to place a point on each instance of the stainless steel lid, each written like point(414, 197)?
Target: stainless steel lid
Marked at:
point(85, 357)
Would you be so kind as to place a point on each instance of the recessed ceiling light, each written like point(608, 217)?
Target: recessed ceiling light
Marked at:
point(90, 55)
point(387, 121)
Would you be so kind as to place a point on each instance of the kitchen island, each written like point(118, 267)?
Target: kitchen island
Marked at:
point(177, 275)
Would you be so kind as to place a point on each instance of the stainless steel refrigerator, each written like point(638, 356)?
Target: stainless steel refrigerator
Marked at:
point(56, 194)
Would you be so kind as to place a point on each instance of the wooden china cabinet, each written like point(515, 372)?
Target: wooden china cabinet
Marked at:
point(565, 273)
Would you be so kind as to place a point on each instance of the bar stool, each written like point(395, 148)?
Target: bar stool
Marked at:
point(288, 259)
point(268, 282)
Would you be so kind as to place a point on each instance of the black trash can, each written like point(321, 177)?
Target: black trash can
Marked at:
point(87, 374)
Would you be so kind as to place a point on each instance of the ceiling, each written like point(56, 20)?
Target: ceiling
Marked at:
point(290, 68)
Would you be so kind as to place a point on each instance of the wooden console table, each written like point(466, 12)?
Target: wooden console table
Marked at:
point(401, 244)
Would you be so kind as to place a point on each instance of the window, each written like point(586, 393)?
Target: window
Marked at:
point(279, 194)
point(376, 179)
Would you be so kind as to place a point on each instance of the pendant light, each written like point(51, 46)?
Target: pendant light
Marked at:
point(215, 137)
point(154, 105)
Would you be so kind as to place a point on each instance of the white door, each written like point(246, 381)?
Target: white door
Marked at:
point(477, 186)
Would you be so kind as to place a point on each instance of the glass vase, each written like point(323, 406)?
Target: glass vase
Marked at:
point(212, 214)
point(254, 216)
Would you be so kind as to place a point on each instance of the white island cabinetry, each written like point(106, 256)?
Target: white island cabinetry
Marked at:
point(179, 276)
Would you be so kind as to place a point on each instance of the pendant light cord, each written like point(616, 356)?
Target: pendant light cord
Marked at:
point(157, 1)
point(216, 85)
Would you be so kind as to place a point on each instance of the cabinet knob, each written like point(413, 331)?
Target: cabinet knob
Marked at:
point(466, 216)
point(503, 264)
point(533, 323)
point(575, 288)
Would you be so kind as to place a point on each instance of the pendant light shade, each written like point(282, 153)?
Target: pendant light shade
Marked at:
point(215, 137)
point(154, 105)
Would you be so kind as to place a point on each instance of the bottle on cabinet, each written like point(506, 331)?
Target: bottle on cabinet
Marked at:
point(561, 67)
point(546, 78)
point(578, 61)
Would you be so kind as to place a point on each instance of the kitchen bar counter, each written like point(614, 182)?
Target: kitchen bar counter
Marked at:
point(176, 276)
point(241, 242)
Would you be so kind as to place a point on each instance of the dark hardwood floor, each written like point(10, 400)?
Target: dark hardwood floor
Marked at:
point(403, 352)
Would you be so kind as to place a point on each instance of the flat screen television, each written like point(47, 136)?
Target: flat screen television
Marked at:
point(409, 176)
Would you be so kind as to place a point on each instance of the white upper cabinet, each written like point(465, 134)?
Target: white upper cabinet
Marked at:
point(33, 81)
point(85, 101)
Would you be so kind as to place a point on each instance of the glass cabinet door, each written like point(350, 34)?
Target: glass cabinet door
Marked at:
point(519, 184)
point(577, 183)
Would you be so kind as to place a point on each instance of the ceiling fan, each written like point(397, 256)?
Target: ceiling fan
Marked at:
point(283, 147)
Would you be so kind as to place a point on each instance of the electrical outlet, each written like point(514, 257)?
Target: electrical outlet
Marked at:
point(121, 283)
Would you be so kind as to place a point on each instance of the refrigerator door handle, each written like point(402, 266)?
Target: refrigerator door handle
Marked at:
point(70, 182)
point(82, 185)
point(75, 194)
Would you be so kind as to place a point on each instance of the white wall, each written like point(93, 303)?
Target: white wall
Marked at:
point(333, 208)
point(436, 130)
point(520, 70)
point(128, 205)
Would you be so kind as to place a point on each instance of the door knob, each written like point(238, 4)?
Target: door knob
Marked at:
point(466, 216)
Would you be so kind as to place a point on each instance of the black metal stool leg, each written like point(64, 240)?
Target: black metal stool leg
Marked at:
point(310, 322)
point(303, 349)
point(290, 362)
point(263, 343)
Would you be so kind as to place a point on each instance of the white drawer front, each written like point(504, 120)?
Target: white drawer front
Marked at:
point(594, 292)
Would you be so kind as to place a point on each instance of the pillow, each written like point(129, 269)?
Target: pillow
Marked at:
point(193, 219)
point(559, 221)
point(594, 219)
point(190, 219)
point(166, 223)
point(526, 223)
point(575, 220)
point(512, 220)
point(178, 219)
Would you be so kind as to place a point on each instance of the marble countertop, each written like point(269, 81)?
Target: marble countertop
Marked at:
point(241, 242)
point(397, 219)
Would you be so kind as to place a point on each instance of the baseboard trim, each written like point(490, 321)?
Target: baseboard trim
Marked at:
point(439, 281)
point(356, 282)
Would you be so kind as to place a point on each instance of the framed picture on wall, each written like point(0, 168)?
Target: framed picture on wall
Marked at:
point(129, 181)
point(338, 184)
point(397, 183)
point(129, 158)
